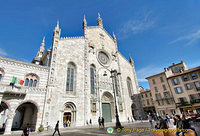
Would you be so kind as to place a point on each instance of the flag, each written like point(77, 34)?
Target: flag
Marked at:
point(21, 82)
point(13, 81)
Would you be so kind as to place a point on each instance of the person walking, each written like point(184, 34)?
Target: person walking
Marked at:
point(102, 121)
point(91, 122)
point(150, 119)
point(27, 130)
point(57, 128)
point(99, 121)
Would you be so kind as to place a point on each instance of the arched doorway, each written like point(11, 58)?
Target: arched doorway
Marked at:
point(69, 116)
point(24, 114)
point(3, 116)
point(107, 107)
point(134, 111)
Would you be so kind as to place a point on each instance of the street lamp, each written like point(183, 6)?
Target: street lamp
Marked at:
point(118, 124)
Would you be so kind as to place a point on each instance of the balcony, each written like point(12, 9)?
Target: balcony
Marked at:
point(185, 103)
point(193, 101)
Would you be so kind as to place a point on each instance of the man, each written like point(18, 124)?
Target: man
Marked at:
point(57, 128)
point(27, 130)
point(162, 123)
point(179, 125)
point(99, 121)
point(150, 119)
point(102, 121)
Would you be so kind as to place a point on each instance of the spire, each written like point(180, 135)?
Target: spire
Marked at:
point(114, 37)
point(57, 26)
point(41, 50)
point(56, 32)
point(37, 59)
point(99, 21)
point(84, 22)
point(131, 60)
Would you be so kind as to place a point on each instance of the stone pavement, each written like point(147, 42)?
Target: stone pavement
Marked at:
point(137, 128)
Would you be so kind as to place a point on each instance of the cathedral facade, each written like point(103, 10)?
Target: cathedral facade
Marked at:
point(79, 79)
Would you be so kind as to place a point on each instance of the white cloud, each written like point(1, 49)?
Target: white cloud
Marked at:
point(148, 71)
point(190, 38)
point(136, 26)
point(3, 53)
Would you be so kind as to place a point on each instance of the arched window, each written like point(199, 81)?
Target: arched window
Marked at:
point(30, 83)
point(31, 80)
point(26, 82)
point(34, 83)
point(92, 79)
point(70, 77)
point(130, 87)
point(1, 73)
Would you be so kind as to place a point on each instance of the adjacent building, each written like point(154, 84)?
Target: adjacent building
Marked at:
point(71, 81)
point(161, 94)
point(176, 90)
point(147, 101)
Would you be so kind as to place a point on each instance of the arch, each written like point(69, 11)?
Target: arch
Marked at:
point(26, 112)
point(33, 75)
point(108, 107)
point(134, 110)
point(3, 112)
point(69, 115)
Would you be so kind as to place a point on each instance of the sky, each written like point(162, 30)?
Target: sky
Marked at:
point(155, 33)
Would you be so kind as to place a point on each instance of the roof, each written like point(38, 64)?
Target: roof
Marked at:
point(155, 75)
point(185, 72)
point(144, 91)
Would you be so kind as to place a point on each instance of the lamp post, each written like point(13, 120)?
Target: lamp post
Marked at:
point(118, 124)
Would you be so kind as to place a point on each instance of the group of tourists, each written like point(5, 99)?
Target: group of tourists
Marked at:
point(101, 122)
point(181, 123)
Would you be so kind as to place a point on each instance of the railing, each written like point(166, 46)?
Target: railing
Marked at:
point(195, 101)
point(183, 104)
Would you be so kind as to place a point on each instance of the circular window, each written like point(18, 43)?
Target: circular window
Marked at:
point(103, 58)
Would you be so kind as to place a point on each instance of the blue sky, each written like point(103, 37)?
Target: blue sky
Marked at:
point(155, 33)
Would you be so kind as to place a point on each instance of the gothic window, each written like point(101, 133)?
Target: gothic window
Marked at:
point(34, 83)
point(31, 80)
point(30, 83)
point(26, 82)
point(70, 77)
point(1, 73)
point(92, 79)
point(130, 88)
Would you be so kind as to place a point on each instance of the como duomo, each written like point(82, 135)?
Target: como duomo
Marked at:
point(77, 79)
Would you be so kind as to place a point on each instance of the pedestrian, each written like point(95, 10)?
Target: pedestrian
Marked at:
point(68, 123)
point(91, 122)
point(168, 118)
point(27, 130)
point(128, 120)
point(57, 128)
point(162, 123)
point(87, 122)
point(102, 121)
point(150, 119)
point(99, 121)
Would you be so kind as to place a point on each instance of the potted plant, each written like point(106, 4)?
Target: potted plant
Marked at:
point(41, 128)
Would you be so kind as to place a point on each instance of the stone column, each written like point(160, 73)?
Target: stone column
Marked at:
point(8, 123)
